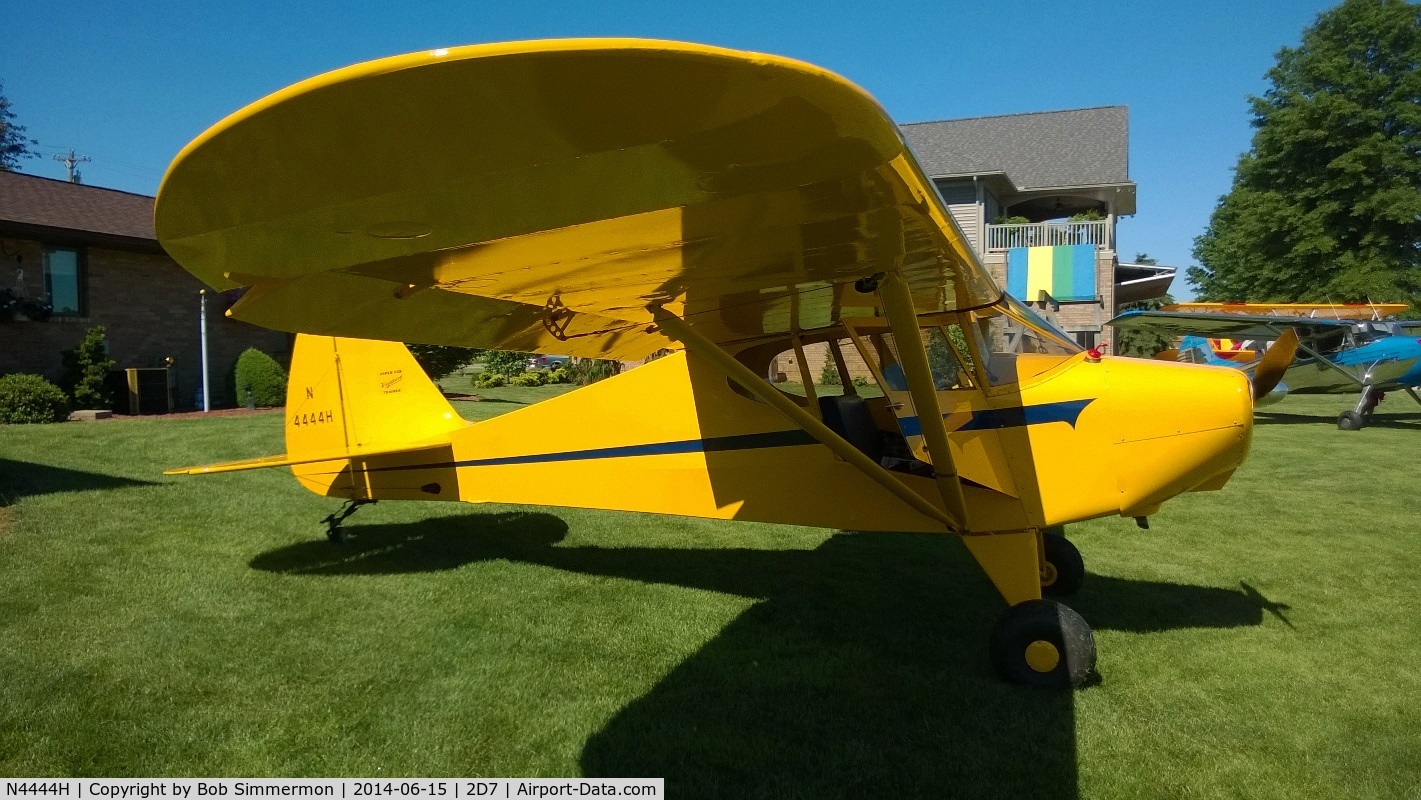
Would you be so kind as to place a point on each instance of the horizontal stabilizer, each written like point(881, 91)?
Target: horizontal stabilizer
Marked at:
point(289, 460)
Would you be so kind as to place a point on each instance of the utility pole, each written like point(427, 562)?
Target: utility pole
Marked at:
point(69, 162)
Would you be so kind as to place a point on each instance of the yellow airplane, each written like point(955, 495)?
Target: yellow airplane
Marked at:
point(616, 198)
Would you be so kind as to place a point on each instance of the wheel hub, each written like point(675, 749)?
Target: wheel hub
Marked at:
point(1048, 574)
point(1042, 656)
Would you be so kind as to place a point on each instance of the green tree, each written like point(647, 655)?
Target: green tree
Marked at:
point(86, 371)
point(506, 362)
point(1327, 203)
point(439, 360)
point(14, 145)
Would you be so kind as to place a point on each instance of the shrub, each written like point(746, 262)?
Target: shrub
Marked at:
point(259, 373)
point(489, 380)
point(31, 399)
point(829, 376)
point(583, 371)
point(506, 363)
point(860, 380)
point(86, 371)
point(529, 378)
point(439, 360)
point(556, 375)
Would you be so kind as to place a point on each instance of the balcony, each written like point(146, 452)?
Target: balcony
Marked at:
point(1100, 232)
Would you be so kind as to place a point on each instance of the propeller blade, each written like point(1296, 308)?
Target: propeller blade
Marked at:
point(1274, 363)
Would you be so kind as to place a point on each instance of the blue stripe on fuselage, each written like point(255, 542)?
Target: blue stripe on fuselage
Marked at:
point(981, 420)
point(1015, 417)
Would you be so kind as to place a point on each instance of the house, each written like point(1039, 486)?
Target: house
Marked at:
point(1039, 196)
point(91, 254)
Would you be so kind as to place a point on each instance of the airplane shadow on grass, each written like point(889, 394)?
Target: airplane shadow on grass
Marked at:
point(25, 479)
point(861, 672)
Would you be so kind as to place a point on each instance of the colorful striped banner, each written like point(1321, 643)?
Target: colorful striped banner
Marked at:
point(1066, 272)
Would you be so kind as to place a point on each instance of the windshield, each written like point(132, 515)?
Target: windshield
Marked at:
point(1012, 327)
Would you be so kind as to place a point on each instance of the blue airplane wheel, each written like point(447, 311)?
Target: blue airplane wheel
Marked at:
point(1044, 644)
point(1350, 421)
point(1064, 569)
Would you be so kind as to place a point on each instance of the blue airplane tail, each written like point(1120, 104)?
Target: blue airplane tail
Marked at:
point(1197, 350)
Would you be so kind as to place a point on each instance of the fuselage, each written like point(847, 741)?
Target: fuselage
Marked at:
point(1388, 362)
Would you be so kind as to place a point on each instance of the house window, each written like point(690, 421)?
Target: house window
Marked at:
point(1086, 339)
point(64, 281)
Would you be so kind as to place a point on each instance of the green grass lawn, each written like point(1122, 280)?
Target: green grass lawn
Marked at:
point(1262, 641)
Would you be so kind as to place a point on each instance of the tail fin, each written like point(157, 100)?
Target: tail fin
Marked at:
point(360, 395)
point(1197, 350)
point(349, 399)
point(361, 399)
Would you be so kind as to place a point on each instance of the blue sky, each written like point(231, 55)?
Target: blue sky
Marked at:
point(130, 85)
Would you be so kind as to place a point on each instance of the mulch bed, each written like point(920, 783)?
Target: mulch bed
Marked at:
point(216, 412)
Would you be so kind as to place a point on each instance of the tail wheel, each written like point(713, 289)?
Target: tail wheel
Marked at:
point(1044, 644)
point(1064, 570)
point(1350, 421)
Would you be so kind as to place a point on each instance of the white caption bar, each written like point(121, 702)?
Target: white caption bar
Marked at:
point(374, 788)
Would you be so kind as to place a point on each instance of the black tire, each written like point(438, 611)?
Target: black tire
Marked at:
point(1067, 568)
point(1042, 625)
point(1350, 421)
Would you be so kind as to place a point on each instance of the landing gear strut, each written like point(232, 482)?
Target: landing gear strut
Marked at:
point(334, 530)
point(1356, 419)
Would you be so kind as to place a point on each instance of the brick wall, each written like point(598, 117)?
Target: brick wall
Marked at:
point(148, 306)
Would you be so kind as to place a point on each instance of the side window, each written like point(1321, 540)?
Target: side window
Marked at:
point(947, 349)
point(856, 377)
point(887, 352)
point(820, 375)
point(784, 374)
point(64, 281)
point(944, 359)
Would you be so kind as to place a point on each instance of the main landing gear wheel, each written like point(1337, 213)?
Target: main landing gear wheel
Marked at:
point(1044, 644)
point(1064, 570)
point(1350, 421)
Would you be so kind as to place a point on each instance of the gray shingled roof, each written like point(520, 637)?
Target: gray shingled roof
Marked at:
point(1081, 147)
point(32, 201)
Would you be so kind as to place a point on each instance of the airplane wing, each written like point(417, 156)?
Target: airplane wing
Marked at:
point(539, 196)
point(1227, 326)
point(1347, 311)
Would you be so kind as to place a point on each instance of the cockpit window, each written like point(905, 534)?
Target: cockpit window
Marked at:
point(1012, 328)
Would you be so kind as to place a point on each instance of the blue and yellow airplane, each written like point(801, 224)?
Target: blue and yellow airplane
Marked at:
point(616, 198)
point(1338, 349)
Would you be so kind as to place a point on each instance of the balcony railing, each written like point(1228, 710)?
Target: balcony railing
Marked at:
point(1047, 234)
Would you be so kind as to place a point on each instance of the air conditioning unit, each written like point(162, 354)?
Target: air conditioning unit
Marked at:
point(150, 390)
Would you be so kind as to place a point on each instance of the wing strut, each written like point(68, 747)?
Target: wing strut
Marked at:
point(903, 319)
point(741, 374)
point(1321, 359)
